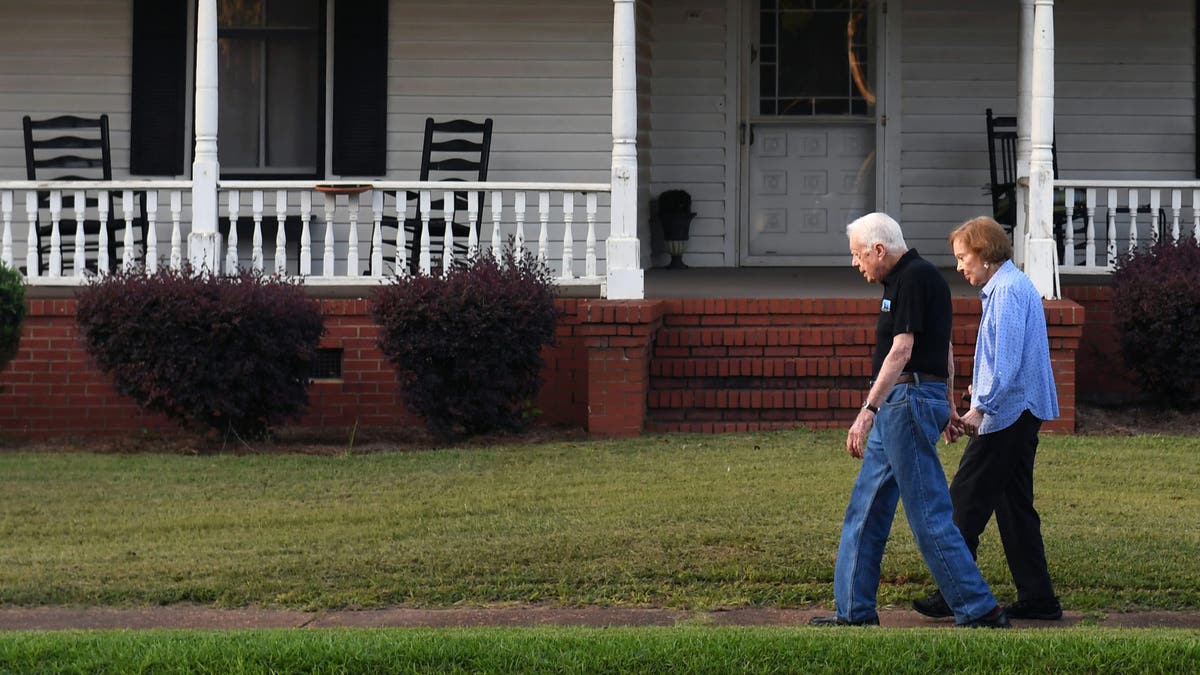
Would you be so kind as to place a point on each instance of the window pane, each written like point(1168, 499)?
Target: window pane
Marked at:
point(814, 57)
point(812, 54)
point(238, 77)
point(289, 13)
point(292, 104)
point(239, 13)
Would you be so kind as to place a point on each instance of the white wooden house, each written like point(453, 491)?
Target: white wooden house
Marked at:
point(783, 118)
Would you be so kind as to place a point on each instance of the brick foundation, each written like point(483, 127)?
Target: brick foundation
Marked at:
point(618, 368)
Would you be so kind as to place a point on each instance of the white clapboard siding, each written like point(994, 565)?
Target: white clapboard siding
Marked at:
point(542, 73)
point(63, 56)
point(688, 118)
point(1124, 106)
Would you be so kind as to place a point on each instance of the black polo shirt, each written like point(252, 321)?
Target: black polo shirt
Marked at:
point(916, 299)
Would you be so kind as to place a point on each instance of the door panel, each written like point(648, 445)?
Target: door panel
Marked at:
point(806, 182)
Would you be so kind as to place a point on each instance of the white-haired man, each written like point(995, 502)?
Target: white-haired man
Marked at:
point(895, 435)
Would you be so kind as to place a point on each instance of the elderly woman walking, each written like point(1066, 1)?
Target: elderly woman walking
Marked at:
point(1012, 393)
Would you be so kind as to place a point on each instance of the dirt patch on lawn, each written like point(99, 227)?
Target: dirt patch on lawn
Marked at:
point(1090, 421)
point(1135, 421)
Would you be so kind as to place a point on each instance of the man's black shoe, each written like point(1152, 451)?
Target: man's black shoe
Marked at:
point(1045, 610)
point(933, 606)
point(993, 619)
point(839, 621)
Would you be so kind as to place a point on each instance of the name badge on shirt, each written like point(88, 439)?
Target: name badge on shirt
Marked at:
point(886, 306)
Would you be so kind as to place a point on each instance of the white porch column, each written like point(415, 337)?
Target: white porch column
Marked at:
point(204, 242)
point(1041, 263)
point(1024, 114)
point(625, 275)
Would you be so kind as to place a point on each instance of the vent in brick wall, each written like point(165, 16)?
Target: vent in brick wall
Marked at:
point(328, 365)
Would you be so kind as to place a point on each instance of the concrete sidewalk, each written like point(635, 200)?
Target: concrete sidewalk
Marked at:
point(197, 617)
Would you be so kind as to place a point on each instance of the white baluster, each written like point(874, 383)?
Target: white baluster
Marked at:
point(32, 258)
point(590, 251)
point(329, 201)
point(151, 231)
point(55, 235)
point(128, 261)
point(6, 212)
point(447, 232)
point(1133, 230)
point(352, 261)
point(377, 233)
point(1155, 224)
point(305, 233)
point(1089, 252)
point(102, 256)
point(544, 230)
point(79, 260)
point(231, 253)
point(281, 213)
point(176, 225)
point(1176, 206)
point(497, 213)
point(1069, 228)
point(568, 257)
point(1111, 234)
point(519, 214)
point(256, 212)
point(472, 216)
point(401, 212)
point(1196, 215)
point(423, 262)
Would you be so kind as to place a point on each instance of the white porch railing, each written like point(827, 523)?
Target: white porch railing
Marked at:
point(327, 238)
point(1117, 216)
point(159, 205)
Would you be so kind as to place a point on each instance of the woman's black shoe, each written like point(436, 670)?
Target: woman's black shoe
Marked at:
point(933, 606)
point(1045, 610)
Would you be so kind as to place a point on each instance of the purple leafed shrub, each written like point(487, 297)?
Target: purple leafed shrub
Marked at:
point(468, 347)
point(231, 354)
point(12, 312)
point(1156, 305)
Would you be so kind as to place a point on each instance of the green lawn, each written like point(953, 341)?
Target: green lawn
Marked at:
point(623, 650)
point(678, 521)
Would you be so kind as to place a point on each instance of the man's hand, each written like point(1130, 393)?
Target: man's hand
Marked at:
point(856, 439)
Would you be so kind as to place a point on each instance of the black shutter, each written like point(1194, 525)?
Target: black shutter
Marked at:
point(360, 37)
point(158, 96)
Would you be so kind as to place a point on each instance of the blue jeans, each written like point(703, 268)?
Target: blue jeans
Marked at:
point(901, 462)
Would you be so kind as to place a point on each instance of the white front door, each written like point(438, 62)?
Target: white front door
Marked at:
point(810, 155)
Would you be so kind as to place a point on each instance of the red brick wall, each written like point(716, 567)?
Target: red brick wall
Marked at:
point(52, 389)
point(1103, 377)
point(618, 367)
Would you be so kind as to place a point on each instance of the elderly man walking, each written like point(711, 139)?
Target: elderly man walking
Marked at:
point(895, 435)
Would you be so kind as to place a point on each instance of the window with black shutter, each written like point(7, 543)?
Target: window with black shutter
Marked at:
point(272, 64)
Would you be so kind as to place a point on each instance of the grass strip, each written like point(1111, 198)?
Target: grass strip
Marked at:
point(675, 521)
point(577, 650)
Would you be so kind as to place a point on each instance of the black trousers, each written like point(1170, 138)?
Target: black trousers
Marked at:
point(995, 475)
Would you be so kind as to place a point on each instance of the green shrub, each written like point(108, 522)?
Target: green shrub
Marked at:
point(468, 347)
point(1156, 305)
point(210, 352)
point(12, 312)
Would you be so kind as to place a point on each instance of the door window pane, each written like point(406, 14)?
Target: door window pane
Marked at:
point(814, 58)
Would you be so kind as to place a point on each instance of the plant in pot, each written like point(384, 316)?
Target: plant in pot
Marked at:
point(675, 215)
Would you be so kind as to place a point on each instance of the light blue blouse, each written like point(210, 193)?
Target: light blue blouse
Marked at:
point(1012, 353)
